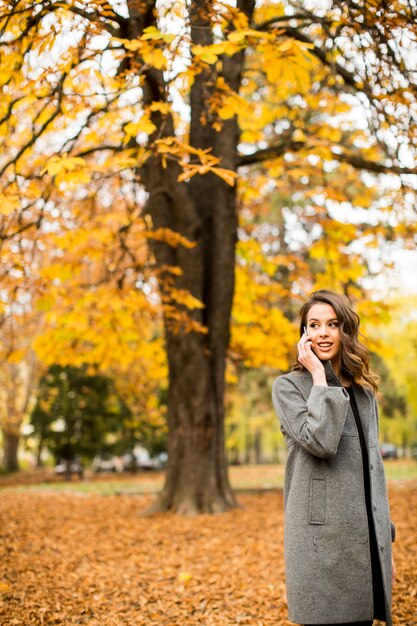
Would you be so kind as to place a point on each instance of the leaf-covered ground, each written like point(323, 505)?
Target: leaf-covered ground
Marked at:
point(87, 559)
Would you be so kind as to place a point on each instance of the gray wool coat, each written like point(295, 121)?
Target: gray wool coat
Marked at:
point(326, 537)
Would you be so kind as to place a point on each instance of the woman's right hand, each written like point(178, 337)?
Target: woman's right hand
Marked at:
point(310, 361)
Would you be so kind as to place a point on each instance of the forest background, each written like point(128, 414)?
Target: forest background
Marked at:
point(175, 179)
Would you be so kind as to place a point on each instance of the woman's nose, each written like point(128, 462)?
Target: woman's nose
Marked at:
point(323, 331)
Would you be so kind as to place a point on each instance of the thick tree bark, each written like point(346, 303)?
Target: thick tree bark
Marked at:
point(196, 478)
point(10, 448)
point(204, 211)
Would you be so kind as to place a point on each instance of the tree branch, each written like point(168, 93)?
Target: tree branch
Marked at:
point(92, 16)
point(100, 148)
point(347, 76)
point(356, 161)
point(42, 129)
point(299, 17)
point(267, 154)
point(361, 163)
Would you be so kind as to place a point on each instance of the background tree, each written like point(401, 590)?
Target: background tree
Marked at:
point(78, 415)
point(17, 387)
point(155, 107)
point(18, 377)
point(398, 339)
point(252, 427)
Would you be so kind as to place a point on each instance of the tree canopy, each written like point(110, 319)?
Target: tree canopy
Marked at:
point(141, 141)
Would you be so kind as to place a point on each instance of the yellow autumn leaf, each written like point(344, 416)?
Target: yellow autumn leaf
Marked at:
point(184, 297)
point(24, 102)
point(45, 115)
point(241, 35)
point(4, 77)
point(364, 201)
point(286, 45)
point(209, 57)
point(8, 204)
point(231, 104)
point(205, 54)
point(237, 36)
point(132, 44)
point(229, 176)
point(153, 33)
point(170, 237)
point(45, 303)
point(331, 133)
point(162, 107)
point(156, 58)
point(15, 356)
point(126, 159)
point(56, 164)
point(251, 136)
point(187, 174)
point(56, 271)
point(293, 44)
point(184, 577)
point(73, 179)
point(227, 111)
point(299, 135)
point(145, 125)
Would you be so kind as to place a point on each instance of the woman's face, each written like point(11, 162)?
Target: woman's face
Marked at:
point(323, 331)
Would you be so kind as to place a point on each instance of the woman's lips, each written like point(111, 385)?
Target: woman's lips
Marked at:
point(324, 346)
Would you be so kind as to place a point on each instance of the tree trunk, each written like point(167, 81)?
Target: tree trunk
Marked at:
point(196, 479)
point(404, 445)
point(204, 211)
point(39, 463)
point(276, 453)
point(10, 448)
point(248, 444)
point(257, 444)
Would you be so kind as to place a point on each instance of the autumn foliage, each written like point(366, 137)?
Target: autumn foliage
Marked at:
point(175, 177)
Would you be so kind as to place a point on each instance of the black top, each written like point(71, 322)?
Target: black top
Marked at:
point(377, 585)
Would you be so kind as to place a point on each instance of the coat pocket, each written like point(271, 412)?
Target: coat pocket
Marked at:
point(317, 501)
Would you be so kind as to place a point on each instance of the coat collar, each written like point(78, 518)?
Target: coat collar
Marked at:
point(332, 379)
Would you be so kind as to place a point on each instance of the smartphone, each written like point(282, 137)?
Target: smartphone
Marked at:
point(305, 330)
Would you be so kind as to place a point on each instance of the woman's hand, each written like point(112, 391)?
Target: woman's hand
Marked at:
point(310, 361)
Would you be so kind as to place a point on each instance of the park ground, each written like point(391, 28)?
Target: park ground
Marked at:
point(81, 553)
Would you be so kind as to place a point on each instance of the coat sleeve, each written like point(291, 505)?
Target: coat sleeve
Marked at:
point(315, 424)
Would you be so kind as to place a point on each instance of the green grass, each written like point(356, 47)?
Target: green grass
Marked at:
point(243, 477)
point(96, 487)
point(401, 470)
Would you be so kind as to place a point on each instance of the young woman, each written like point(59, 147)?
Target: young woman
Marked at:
point(338, 532)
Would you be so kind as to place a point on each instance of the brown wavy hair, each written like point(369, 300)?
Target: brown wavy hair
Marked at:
point(355, 357)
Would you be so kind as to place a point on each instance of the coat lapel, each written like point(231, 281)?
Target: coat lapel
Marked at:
point(332, 379)
point(362, 398)
point(364, 404)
